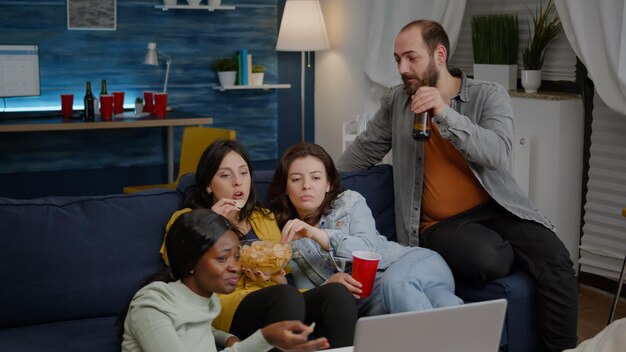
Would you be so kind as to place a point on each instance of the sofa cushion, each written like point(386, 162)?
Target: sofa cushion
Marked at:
point(376, 185)
point(91, 335)
point(64, 258)
point(519, 332)
point(186, 184)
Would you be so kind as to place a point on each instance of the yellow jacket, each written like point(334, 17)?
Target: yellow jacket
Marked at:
point(266, 228)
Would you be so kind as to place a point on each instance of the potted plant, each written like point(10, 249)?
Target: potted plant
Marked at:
point(546, 26)
point(138, 105)
point(258, 71)
point(226, 68)
point(495, 40)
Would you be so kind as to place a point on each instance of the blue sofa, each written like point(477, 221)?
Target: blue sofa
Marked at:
point(69, 265)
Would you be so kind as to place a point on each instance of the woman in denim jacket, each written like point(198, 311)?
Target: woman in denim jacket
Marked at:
point(327, 224)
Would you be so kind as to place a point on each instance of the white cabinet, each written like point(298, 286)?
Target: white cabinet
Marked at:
point(556, 128)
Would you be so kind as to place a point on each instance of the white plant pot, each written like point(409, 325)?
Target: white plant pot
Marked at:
point(256, 78)
point(531, 80)
point(215, 3)
point(506, 75)
point(227, 78)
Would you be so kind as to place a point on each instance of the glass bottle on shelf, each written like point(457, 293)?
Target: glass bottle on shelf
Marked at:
point(89, 103)
point(103, 88)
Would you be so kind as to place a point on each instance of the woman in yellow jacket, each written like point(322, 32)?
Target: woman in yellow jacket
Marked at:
point(223, 183)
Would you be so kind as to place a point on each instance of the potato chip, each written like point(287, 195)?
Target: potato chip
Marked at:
point(268, 257)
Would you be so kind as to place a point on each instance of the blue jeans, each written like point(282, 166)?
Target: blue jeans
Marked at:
point(418, 280)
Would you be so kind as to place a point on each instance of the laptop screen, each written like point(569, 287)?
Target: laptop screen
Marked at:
point(473, 327)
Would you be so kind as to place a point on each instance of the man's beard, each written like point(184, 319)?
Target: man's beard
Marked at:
point(431, 75)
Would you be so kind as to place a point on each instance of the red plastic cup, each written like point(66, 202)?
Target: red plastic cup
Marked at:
point(118, 102)
point(364, 266)
point(148, 102)
point(106, 107)
point(160, 104)
point(67, 105)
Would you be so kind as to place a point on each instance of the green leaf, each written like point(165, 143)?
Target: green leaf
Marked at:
point(495, 39)
point(546, 26)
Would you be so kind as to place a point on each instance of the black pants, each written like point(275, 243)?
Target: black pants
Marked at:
point(330, 306)
point(487, 242)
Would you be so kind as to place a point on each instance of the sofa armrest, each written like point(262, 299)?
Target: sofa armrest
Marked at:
point(520, 331)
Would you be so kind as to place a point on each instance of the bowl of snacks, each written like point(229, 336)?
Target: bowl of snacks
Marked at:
point(268, 257)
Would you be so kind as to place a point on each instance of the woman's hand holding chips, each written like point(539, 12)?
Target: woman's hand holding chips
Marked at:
point(296, 229)
point(227, 208)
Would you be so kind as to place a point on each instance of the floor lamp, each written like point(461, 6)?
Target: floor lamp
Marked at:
point(302, 29)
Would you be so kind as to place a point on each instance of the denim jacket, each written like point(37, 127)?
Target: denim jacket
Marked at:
point(350, 227)
point(479, 123)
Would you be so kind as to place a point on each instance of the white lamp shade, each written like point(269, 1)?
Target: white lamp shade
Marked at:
point(302, 27)
point(151, 55)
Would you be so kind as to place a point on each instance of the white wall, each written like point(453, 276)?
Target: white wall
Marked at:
point(341, 87)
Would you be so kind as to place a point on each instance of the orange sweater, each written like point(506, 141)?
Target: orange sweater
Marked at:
point(450, 187)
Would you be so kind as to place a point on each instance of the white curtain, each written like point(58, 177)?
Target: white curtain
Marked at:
point(389, 16)
point(596, 30)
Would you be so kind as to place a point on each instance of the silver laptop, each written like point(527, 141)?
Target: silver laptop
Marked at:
point(473, 327)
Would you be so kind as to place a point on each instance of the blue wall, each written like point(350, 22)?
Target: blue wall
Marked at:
point(267, 121)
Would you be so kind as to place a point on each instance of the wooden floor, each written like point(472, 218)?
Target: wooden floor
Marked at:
point(594, 306)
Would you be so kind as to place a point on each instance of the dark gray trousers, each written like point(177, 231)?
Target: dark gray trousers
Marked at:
point(487, 242)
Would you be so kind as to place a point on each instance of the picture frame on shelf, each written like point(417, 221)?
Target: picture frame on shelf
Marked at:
point(97, 15)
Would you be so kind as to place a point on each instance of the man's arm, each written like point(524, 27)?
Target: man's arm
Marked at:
point(489, 140)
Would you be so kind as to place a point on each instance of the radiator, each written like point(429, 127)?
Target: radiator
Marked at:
point(520, 161)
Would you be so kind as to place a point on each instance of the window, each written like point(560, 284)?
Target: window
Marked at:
point(560, 60)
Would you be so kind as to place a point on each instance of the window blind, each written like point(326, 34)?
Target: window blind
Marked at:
point(603, 244)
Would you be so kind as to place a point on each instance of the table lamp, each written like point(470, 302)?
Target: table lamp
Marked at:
point(153, 60)
point(302, 29)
